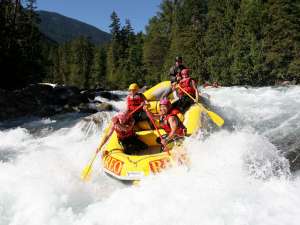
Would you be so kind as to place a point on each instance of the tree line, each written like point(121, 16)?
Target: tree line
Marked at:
point(233, 42)
point(21, 45)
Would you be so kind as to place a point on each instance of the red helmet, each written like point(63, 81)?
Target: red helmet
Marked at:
point(165, 101)
point(185, 72)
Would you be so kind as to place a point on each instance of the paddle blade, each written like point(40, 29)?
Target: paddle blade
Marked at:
point(86, 172)
point(215, 118)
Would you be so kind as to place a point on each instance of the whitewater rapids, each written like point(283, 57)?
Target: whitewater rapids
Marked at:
point(238, 175)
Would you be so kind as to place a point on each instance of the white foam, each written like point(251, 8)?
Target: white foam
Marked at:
point(218, 189)
point(236, 178)
point(260, 105)
point(14, 139)
point(118, 105)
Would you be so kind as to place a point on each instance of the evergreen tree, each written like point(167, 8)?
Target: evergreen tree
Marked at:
point(20, 45)
point(157, 43)
point(50, 54)
point(188, 31)
point(98, 71)
point(221, 23)
point(246, 50)
point(235, 42)
point(126, 41)
point(125, 55)
point(64, 64)
point(281, 39)
point(81, 61)
point(114, 51)
point(135, 59)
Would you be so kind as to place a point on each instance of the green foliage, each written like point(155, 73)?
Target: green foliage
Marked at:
point(98, 70)
point(157, 43)
point(234, 42)
point(20, 45)
point(281, 39)
point(125, 55)
point(221, 23)
point(188, 31)
point(77, 63)
point(246, 49)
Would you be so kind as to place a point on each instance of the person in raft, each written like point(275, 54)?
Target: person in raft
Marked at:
point(175, 71)
point(175, 76)
point(123, 124)
point(169, 121)
point(135, 100)
point(188, 85)
point(216, 84)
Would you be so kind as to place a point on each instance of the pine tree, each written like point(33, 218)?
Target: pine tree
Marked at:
point(98, 71)
point(81, 61)
point(114, 51)
point(188, 31)
point(125, 67)
point(135, 59)
point(21, 44)
point(157, 43)
point(221, 23)
point(64, 63)
point(246, 49)
point(281, 39)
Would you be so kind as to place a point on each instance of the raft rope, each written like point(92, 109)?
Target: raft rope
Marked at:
point(128, 158)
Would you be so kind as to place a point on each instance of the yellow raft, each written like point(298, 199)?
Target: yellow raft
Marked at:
point(151, 160)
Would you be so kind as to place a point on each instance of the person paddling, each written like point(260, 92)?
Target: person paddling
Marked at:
point(135, 100)
point(187, 84)
point(123, 125)
point(170, 122)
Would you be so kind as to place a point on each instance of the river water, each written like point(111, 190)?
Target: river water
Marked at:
point(239, 175)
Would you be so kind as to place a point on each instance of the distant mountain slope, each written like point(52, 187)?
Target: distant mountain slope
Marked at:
point(61, 28)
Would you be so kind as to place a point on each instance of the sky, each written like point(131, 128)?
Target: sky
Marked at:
point(97, 12)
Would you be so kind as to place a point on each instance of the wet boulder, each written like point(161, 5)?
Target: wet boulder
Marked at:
point(47, 100)
point(109, 95)
point(103, 106)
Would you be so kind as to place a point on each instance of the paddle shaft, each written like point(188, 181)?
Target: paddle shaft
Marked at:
point(189, 95)
point(215, 117)
point(87, 170)
point(91, 163)
point(130, 114)
point(192, 98)
point(156, 128)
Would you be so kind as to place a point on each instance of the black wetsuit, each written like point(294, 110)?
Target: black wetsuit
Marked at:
point(183, 104)
point(174, 70)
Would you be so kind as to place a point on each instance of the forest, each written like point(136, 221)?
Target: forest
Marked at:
point(233, 42)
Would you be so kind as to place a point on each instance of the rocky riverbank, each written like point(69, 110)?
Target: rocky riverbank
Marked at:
point(47, 100)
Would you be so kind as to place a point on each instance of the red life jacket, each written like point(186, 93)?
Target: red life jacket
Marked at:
point(134, 101)
point(186, 84)
point(181, 130)
point(122, 133)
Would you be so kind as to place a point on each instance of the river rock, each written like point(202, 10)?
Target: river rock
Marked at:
point(108, 95)
point(47, 100)
point(103, 106)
